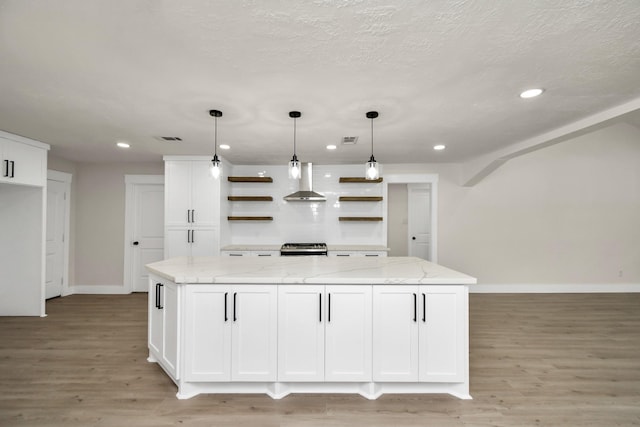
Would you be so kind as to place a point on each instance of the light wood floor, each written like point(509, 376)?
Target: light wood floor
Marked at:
point(536, 360)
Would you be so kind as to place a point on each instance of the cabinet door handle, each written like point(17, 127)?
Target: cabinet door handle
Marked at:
point(157, 296)
point(424, 308)
point(193, 235)
point(320, 306)
point(13, 169)
point(329, 309)
point(234, 306)
point(193, 215)
point(160, 297)
point(415, 307)
point(6, 169)
point(188, 216)
point(225, 306)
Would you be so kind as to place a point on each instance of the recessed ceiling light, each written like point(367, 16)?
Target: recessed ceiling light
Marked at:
point(331, 147)
point(123, 145)
point(439, 147)
point(224, 146)
point(531, 93)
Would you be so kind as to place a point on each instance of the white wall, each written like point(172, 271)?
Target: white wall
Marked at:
point(567, 214)
point(397, 220)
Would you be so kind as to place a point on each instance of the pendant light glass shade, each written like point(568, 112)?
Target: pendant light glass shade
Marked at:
point(295, 172)
point(371, 170)
point(216, 166)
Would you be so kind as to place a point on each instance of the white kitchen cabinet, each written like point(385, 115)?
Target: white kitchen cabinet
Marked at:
point(324, 333)
point(192, 207)
point(192, 196)
point(23, 163)
point(231, 333)
point(164, 324)
point(191, 242)
point(250, 253)
point(419, 333)
point(357, 253)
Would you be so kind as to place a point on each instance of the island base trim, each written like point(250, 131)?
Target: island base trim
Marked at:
point(279, 390)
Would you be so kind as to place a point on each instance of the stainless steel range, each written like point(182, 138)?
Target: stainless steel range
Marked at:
point(303, 249)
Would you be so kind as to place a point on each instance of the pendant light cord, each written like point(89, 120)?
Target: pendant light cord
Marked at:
point(294, 137)
point(372, 137)
point(215, 147)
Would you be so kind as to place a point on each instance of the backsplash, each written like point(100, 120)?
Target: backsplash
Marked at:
point(298, 221)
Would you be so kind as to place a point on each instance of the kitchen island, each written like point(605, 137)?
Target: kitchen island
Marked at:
point(281, 325)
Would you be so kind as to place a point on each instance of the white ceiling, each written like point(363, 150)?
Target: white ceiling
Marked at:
point(81, 75)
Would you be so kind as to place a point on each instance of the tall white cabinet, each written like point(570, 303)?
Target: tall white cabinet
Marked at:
point(192, 207)
point(23, 181)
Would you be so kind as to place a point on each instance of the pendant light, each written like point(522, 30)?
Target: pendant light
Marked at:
point(371, 167)
point(216, 166)
point(294, 165)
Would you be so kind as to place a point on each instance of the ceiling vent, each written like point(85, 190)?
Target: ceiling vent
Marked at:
point(169, 138)
point(349, 140)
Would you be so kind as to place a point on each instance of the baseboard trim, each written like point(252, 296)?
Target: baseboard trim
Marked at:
point(555, 288)
point(98, 290)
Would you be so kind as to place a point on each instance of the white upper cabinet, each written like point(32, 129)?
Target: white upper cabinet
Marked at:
point(191, 194)
point(23, 163)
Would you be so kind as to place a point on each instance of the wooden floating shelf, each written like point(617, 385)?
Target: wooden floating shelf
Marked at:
point(360, 180)
point(360, 218)
point(250, 218)
point(250, 198)
point(250, 179)
point(360, 198)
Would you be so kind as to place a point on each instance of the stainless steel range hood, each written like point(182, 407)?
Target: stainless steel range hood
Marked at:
point(306, 193)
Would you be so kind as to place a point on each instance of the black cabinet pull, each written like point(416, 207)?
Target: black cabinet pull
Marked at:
point(193, 236)
point(320, 306)
point(415, 307)
point(157, 296)
point(424, 308)
point(225, 306)
point(6, 169)
point(160, 285)
point(234, 306)
point(13, 169)
point(329, 310)
point(188, 215)
point(193, 215)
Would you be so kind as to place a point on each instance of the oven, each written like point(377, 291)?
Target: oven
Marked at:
point(303, 249)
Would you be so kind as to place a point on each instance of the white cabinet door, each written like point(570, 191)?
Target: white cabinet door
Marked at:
point(205, 195)
point(204, 242)
point(301, 332)
point(207, 354)
point(23, 164)
point(177, 193)
point(442, 334)
point(348, 333)
point(164, 324)
point(254, 333)
point(177, 242)
point(395, 333)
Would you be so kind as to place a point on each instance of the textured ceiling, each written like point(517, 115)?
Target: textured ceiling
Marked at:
point(81, 75)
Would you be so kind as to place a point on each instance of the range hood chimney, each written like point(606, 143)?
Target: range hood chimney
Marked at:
point(306, 193)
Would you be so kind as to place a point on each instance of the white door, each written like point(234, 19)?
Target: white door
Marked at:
point(419, 218)
point(442, 334)
point(56, 215)
point(147, 235)
point(395, 333)
point(301, 332)
point(207, 355)
point(348, 333)
point(254, 332)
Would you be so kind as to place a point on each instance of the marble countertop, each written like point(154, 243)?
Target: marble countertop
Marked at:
point(313, 270)
point(329, 247)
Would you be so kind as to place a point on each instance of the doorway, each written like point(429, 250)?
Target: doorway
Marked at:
point(57, 234)
point(412, 215)
point(144, 228)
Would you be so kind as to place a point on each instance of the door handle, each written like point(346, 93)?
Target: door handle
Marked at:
point(193, 236)
point(136, 243)
point(415, 307)
point(413, 238)
point(234, 306)
point(320, 308)
point(225, 306)
point(329, 309)
point(13, 169)
point(424, 308)
point(159, 296)
point(6, 169)
point(193, 215)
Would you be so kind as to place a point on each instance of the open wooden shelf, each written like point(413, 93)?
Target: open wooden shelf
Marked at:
point(360, 198)
point(360, 218)
point(250, 179)
point(359, 179)
point(250, 198)
point(250, 218)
